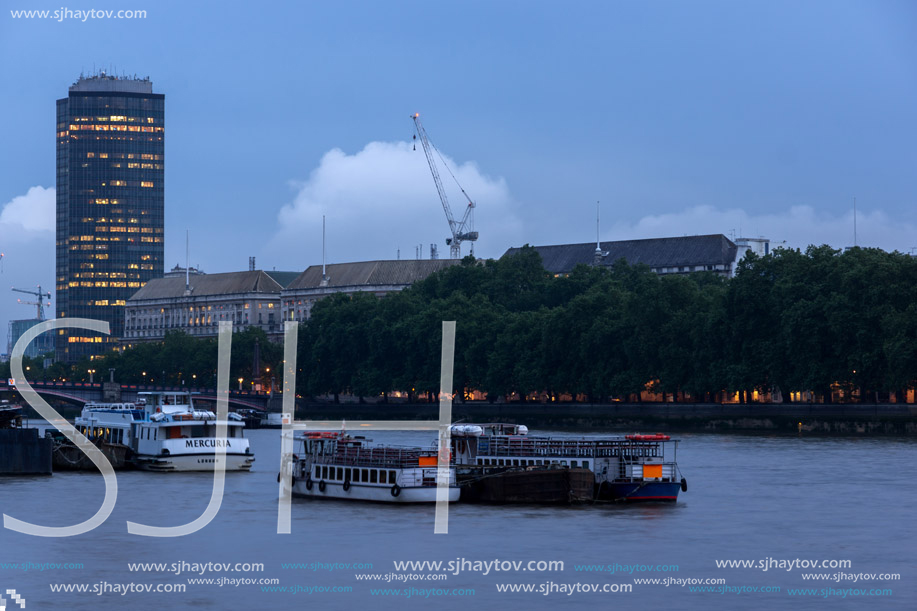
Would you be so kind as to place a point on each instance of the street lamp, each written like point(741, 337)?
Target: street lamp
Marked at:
point(90, 372)
point(240, 384)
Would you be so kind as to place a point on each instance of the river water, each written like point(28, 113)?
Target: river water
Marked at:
point(768, 499)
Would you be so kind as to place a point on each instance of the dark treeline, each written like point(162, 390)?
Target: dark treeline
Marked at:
point(820, 323)
point(179, 360)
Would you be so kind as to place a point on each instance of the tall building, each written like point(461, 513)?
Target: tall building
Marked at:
point(110, 204)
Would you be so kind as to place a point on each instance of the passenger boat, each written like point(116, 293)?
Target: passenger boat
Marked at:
point(175, 436)
point(163, 431)
point(626, 468)
point(339, 466)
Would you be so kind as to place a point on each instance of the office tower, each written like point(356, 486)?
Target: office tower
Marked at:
point(110, 205)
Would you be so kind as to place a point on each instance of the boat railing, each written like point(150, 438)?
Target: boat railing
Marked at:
point(529, 446)
point(387, 457)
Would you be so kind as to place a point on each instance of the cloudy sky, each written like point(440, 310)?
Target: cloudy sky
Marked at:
point(756, 118)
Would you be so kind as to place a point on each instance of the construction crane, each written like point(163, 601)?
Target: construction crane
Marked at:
point(40, 303)
point(462, 231)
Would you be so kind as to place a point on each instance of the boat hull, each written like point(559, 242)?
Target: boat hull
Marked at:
point(68, 457)
point(192, 462)
point(541, 485)
point(370, 492)
point(633, 492)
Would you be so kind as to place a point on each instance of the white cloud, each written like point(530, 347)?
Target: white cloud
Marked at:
point(383, 198)
point(798, 226)
point(27, 242)
point(33, 211)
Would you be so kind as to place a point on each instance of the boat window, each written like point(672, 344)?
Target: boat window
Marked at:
point(356, 475)
point(392, 478)
point(365, 475)
point(373, 476)
point(572, 463)
point(585, 464)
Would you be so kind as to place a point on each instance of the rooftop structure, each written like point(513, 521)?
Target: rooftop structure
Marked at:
point(103, 82)
point(713, 253)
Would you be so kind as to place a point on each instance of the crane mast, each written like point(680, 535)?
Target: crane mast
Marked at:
point(462, 231)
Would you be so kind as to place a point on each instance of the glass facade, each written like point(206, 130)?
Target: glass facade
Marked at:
point(110, 204)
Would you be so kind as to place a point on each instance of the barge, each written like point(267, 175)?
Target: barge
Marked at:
point(626, 468)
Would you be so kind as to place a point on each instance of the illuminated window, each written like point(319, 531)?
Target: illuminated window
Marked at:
point(146, 184)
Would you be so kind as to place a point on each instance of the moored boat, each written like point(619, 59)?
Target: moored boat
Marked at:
point(161, 431)
point(176, 436)
point(625, 468)
point(339, 466)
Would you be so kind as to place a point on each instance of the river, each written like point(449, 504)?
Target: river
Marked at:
point(777, 501)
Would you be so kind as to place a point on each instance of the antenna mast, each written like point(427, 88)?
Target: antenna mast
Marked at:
point(187, 261)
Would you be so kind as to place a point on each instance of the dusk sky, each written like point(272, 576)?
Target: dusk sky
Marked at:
point(743, 118)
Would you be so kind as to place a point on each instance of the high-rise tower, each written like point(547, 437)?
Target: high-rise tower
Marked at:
point(110, 204)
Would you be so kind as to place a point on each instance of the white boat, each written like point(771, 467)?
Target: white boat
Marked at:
point(338, 466)
point(165, 432)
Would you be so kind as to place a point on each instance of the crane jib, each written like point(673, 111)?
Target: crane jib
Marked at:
point(461, 231)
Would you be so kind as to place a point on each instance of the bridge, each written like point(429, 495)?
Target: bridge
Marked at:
point(84, 392)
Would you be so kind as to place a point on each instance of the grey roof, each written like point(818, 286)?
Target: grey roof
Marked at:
point(374, 273)
point(714, 249)
point(230, 283)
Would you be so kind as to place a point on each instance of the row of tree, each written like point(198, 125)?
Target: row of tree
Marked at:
point(821, 321)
